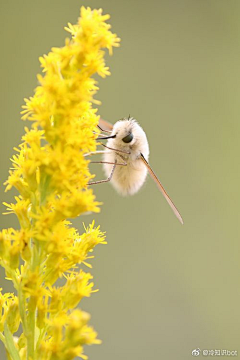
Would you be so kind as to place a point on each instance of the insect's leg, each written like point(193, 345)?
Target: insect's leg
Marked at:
point(107, 131)
point(104, 151)
point(122, 151)
point(106, 162)
point(106, 180)
point(98, 152)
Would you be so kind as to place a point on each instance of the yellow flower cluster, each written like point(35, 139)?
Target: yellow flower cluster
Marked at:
point(51, 175)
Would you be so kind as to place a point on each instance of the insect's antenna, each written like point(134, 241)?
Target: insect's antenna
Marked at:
point(106, 131)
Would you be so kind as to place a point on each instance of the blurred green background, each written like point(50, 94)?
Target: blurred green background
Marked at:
point(165, 289)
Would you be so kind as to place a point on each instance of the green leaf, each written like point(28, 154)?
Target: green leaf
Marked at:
point(10, 344)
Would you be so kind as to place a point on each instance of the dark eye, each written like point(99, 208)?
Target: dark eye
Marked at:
point(128, 138)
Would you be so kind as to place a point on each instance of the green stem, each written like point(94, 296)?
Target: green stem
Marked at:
point(31, 323)
point(31, 335)
point(35, 255)
point(2, 338)
point(44, 189)
point(35, 267)
point(31, 320)
point(22, 310)
point(10, 343)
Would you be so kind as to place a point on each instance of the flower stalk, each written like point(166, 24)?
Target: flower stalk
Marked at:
point(50, 172)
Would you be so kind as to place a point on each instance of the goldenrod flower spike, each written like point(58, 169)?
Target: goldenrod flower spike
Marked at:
point(51, 174)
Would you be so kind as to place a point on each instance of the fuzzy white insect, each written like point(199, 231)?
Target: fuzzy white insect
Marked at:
point(130, 137)
point(127, 146)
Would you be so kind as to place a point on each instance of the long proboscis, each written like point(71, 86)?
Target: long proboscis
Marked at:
point(161, 188)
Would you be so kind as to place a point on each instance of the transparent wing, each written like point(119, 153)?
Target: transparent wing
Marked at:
point(105, 125)
point(161, 188)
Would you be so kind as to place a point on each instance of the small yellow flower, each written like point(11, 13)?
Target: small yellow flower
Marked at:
point(21, 209)
point(9, 311)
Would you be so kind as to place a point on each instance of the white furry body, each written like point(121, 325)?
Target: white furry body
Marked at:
point(128, 179)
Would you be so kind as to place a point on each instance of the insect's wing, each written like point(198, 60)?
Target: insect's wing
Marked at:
point(161, 188)
point(105, 125)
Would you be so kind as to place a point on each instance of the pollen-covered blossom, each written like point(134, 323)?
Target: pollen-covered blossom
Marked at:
point(51, 174)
